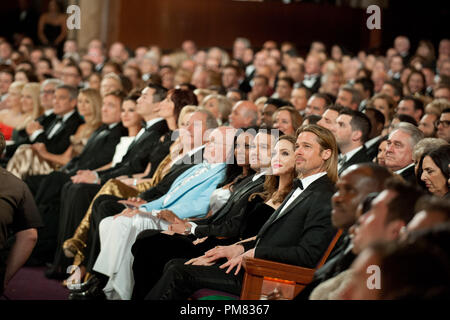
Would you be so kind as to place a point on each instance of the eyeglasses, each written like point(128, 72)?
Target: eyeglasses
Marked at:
point(445, 123)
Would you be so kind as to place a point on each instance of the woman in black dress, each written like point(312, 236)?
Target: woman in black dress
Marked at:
point(52, 29)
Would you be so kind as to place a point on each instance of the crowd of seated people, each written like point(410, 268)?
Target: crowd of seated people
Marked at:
point(157, 173)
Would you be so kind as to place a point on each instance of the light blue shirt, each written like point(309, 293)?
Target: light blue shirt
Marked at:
point(189, 194)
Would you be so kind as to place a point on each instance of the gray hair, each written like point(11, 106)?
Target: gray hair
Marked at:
point(245, 41)
point(224, 104)
point(414, 133)
point(55, 82)
point(211, 122)
point(253, 114)
point(73, 92)
point(426, 145)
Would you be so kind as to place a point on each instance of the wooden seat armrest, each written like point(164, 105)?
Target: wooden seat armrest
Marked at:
point(271, 269)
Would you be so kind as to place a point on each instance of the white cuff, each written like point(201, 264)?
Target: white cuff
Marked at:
point(194, 226)
point(35, 134)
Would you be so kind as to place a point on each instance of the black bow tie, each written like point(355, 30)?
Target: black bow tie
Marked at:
point(297, 184)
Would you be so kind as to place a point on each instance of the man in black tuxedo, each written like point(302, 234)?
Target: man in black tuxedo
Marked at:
point(400, 146)
point(47, 94)
point(377, 124)
point(353, 186)
point(352, 130)
point(153, 249)
point(298, 232)
point(312, 76)
point(99, 150)
point(67, 120)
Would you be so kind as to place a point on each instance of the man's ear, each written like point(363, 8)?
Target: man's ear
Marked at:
point(326, 154)
point(356, 135)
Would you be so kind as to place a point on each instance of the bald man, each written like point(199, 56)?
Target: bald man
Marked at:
point(243, 115)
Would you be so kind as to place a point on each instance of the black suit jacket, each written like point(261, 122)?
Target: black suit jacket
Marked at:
point(60, 141)
point(164, 185)
point(99, 149)
point(148, 146)
point(409, 175)
point(301, 234)
point(226, 221)
point(23, 137)
point(316, 84)
point(372, 151)
point(359, 157)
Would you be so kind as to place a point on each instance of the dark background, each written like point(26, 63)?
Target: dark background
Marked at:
point(167, 23)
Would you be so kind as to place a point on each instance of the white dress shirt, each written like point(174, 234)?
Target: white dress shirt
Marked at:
point(305, 182)
point(348, 156)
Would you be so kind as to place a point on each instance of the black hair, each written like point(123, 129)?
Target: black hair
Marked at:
point(418, 104)
point(278, 103)
point(359, 122)
point(367, 84)
point(405, 118)
point(234, 173)
point(160, 92)
point(441, 157)
point(312, 118)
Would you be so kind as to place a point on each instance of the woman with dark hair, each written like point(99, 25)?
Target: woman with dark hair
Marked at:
point(416, 83)
point(435, 171)
point(171, 106)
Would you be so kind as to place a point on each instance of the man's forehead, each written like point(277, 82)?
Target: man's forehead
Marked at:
point(398, 135)
point(62, 92)
point(307, 136)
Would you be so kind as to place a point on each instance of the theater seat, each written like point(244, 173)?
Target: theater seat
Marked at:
point(266, 279)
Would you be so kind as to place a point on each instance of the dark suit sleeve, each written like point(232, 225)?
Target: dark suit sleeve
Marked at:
point(226, 228)
point(316, 235)
point(107, 147)
point(151, 152)
point(61, 141)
